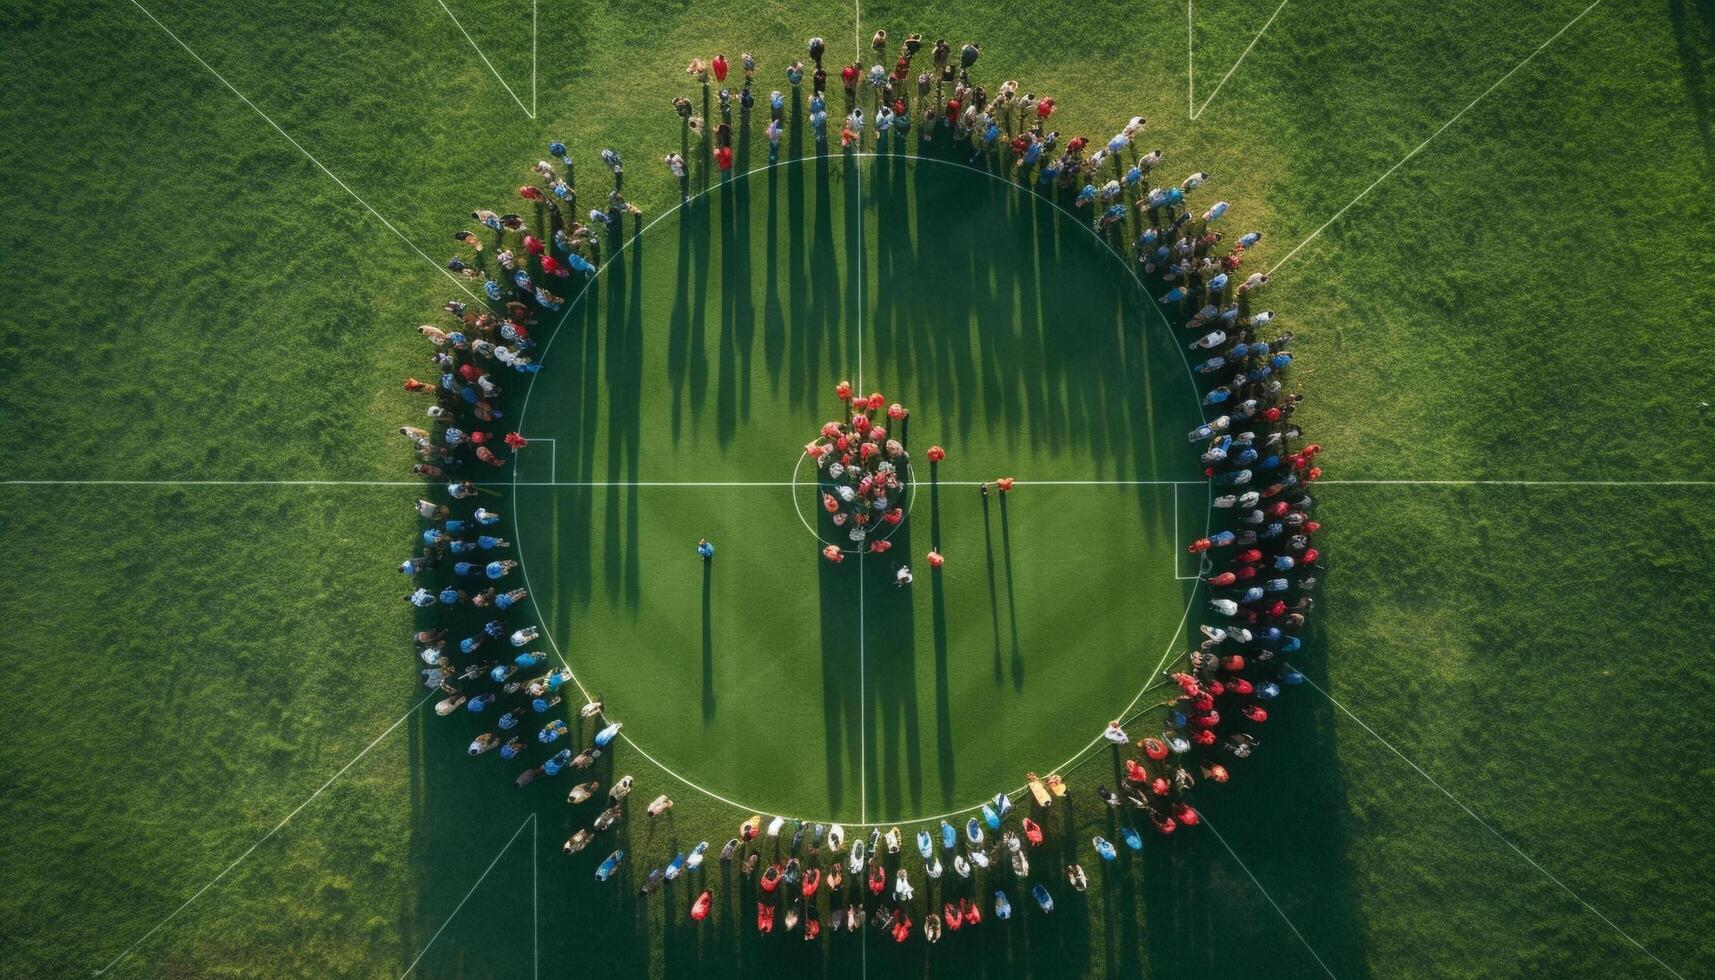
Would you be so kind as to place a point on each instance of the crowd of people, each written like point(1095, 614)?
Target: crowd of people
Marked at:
point(1260, 566)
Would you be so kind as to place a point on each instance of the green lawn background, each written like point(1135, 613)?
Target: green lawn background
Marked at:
point(1512, 303)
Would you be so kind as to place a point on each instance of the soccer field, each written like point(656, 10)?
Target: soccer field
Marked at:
point(1489, 226)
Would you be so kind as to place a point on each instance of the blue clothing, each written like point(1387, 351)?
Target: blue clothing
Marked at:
point(495, 570)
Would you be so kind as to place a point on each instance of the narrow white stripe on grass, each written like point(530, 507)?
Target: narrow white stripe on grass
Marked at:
point(1282, 912)
point(498, 855)
point(1205, 106)
point(692, 484)
point(1486, 825)
point(307, 155)
point(276, 829)
point(1516, 483)
point(863, 703)
point(535, 899)
point(1190, 58)
point(1389, 172)
point(496, 72)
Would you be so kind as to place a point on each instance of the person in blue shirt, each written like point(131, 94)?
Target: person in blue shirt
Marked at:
point(486, 517)
point(492, 290)
point(499, 569)
point(422, 598)
point(488, 542)
point(450, 596)
point(705, 550)
point(505, 600)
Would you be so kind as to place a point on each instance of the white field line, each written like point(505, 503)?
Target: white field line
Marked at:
point(1204, 107)
point(1516, 483)
point(529, 820)
point(553, 460)
point(863, 702)
point(1487, 826)
point(1456, 117)
point(787, 483)
point(1190, 60)
point(528, 111)
point(1265, 894)
point(276, 829)
point(307, 155)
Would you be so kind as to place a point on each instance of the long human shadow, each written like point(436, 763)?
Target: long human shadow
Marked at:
point(944, 757)
point(1017, 661)
point(895, 773)
point(1283, 815)
point(1693, 23)
point(841, 705)
point(623, 379)
point(708, 640)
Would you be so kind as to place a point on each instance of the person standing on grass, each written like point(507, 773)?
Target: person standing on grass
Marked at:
point(705, 550)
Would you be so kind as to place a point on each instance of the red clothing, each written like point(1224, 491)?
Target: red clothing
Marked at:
point(530, 192)
point(532, 244)
point(719, 65)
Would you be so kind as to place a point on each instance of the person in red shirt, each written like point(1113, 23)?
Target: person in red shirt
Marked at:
point(723, 158)
point(516, 441)
point(530, 192)
point(720, 66)
point(848, 78)
point(1222, 580)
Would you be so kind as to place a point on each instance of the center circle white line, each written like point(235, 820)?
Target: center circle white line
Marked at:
point(524, 572)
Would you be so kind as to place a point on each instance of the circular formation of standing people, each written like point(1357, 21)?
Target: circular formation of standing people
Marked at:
point(1260, 568)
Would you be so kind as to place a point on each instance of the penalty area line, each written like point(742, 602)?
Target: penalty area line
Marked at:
point(528, 821)
point(264, 839)
point(1278, 910)
point(307, 155)
point(1444, 126)
point(528, 111)
point(1486, 825)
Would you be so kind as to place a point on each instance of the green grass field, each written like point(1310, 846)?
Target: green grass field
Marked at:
point(1492, 232)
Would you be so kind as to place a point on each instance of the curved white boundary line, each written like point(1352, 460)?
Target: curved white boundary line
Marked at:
point(573, 304)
